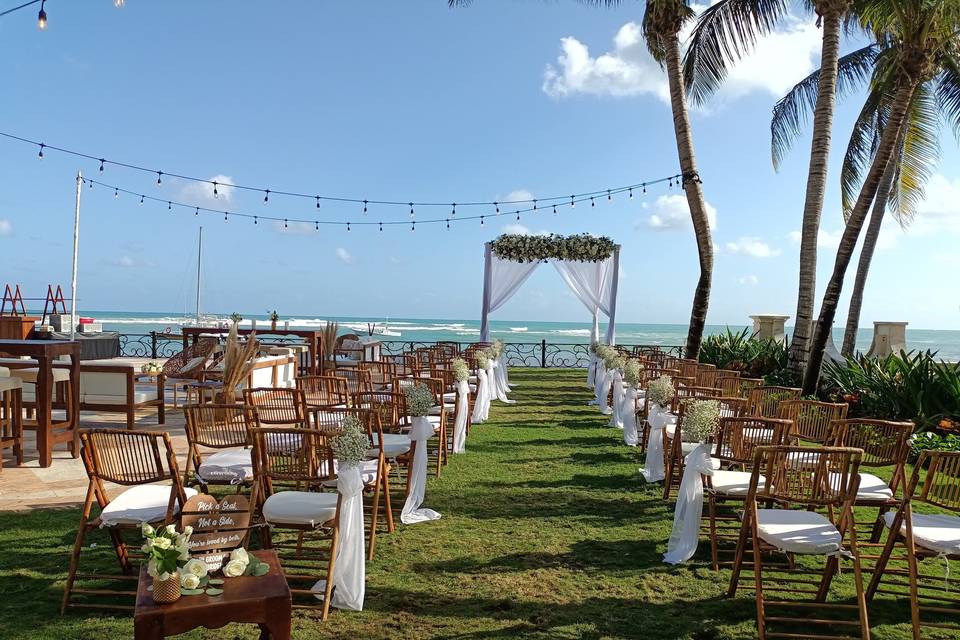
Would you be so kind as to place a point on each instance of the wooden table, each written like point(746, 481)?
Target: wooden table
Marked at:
point(263, 600)
point(44, 352)
point(313, 338)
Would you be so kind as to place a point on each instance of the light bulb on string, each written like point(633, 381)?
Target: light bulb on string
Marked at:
point(215, 193)
point(196, 211)
point(497, 205)
point(381, 226)
point(316, 226)
point(413, 227)
point(609, 197)
point(141, 200)
point(592, 203)
point(411, 210)
point(644, 187)
point(40, 155)
point(169, 206)
point(572, 203)
point(534, 206)
point(101, 165)
point(518, 216)
point(631, 193)
point(318, 202)
point(364, 207)
point(254, 219)
point(348, 227)
point(453, 212)
point(554, 209)
point(90, 185)
point(266, 196)
point(284, 223)
point(159, 177)
point(481, 221)
point(42, 17)
point(116, 193)
point(448, 223)
point(224, 216)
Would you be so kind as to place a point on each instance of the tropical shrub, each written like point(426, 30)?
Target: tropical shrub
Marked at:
point(740, 351)
point(905, 386)
point(930, 441)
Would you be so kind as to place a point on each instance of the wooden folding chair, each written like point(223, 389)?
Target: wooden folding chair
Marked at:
point(924, 536)
point(391, 411)
point(885, 444)
point(277, 406)
point(437, 416)
point(357, 379)
point(747, 385)
point(734, 446)
point(802, 483)
point(292, 467)
point(323, 391)
point(218, 446)
point(764, 402)
point(675, 449)
point(728, 382)
point(706, 375)
point(135, 460)
point(811, 419)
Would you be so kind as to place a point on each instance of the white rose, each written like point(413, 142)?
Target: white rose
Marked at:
point(189, 581)
point(161, 543)
point(196, 567)
point(147, 529)
point(240, 554)
point(188, 531)
point(152, 568)
point(234, 569)
point(147, 546)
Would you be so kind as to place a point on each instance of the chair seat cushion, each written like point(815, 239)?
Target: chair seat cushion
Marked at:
point(139, 504)
point(804, 532)
point(29, 375)
point(873, 488)
point(733, 483)
point(394, 444)
point(368, 472)
point(284, 442)
point(140, 396)
point(300, 508)
point(435, 411)
point(232, 466)
point(450, 397)
point(936, 532)
point(9, 383)
point(432, 419)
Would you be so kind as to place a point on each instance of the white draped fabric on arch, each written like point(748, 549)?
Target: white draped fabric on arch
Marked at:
point(594, 284)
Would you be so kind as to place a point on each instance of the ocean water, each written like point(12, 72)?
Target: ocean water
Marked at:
point(946, 343)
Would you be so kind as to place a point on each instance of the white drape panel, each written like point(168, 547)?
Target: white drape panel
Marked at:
point(349, 578)
point(653, 470)
point(592, 370)
point(603, 390)
point(598, 382)
point(501, 280)
point(460, 422)
point(629, 414)
point(591, 282)
point(686, 517)
point(616, 418)
point(420, 431)
point(498, 391)
point(502, 376)
point(481, 406)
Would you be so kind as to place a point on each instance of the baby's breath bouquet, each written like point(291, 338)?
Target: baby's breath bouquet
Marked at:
point(350, 447)
point(661, 391)
point(419, 400)
point(461, 371)
point(701, 419)
point(483, 357)
point(603, 350)
point(631, 372)
point(496, 349)
point(613, 360)
point(593, 347)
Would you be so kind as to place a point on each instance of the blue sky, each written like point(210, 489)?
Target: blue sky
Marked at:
point(412, 101)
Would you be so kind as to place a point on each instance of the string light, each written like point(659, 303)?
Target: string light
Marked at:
point(534, 205)
point(318, 202)
point(448, 223)
point(215, 194)
point(40, 155)
point(497, 205)
point(631, 193)
point(101, 165)
point(381, 226)
point(141, 200)
point(518, 216)
point(573, 204)
point(554, 209)
point(196, 211)
point(169, 206)
point(609, 197)
point(42, 17)
point(644, 187)
point(348, 227)
point(411, 209)
point(284, 223)
point(266, 196)
point(225, 217)
point(159, 177)
point(592, 203)
point(116, 193)
point(481, 221)
point(413, 227)
point(254, 219)
point(364, 207)
point(453, 212)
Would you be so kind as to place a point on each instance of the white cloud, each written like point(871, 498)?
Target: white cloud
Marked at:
point(940, 209)
point(516, 229)
point(670, 212)
point(344, 256)
point(795, 236)
point(6, 228)
point(751, 246)
point(128, 262)
point(779, 61)
point(516, 195)
point(750, 280)
point(294, 228)
point(201, 194)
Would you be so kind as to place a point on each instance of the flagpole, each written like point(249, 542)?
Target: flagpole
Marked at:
point(76, 247)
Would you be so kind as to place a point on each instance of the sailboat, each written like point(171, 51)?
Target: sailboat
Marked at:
point(199, 319)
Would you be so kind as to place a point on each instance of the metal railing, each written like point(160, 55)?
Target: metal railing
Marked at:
point(541, 354)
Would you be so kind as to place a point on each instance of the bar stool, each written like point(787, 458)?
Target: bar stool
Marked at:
point(63, 430)
point(11, 416)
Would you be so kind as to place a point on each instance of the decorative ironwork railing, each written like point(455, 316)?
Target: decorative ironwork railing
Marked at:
point(541, 354)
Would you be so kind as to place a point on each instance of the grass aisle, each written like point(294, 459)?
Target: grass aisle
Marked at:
point(548, 531)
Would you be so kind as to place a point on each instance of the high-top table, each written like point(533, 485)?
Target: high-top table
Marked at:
point(44, 352)
point(313, 339)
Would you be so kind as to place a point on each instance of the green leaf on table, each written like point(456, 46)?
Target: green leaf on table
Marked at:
point(261, 569)
point(213, 591)
point(215, 582)
point(203, 581)
point(191, 592)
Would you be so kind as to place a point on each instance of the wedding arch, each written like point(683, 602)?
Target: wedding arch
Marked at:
point(589, 265)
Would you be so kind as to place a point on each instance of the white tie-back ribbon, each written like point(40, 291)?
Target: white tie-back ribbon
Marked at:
point(496, 391)
point(616, 384)
point(686, 517)
point(503, 374)
point(628, 412)
point(601, 372)
point(653, 470)
point(604, 392)
point(481, 405)
point(460, 422)
point(592, 370)
point(350, 569)
point(420, 432)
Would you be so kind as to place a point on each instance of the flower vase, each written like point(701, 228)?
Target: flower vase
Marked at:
point(168, 590)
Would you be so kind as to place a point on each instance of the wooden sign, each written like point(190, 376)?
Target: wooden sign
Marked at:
point(218, 527)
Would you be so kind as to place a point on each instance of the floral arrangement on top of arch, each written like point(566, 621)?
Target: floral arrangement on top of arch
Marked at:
point(530, 248)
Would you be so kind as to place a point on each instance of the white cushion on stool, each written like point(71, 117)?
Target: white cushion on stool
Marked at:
point(30, 375)
point(9, 384)
point(394, 444)
point(806, 532)
point(139, 504)
point(734, 483)
point(300, 507)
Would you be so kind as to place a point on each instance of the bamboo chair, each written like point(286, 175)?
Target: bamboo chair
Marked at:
point(747, 385)
point(381, 373)
point(802, 481)
point(923, 536)
point(885, 444)
point(277, 406)
point(437, 416)
point(323, 391)
point(11, 418)
point(375, 471)
point(812, 419)
point(688, 368)
point(226, 430)
point(357, 379)
point(672, 362)
point(764, 402)
point(728, 382)
point(404, 364)
point(674, 448)
point(301, 458)
point(735, 444)
point(189, 365)
point(391, 410)
point(706, 375)
point(134, 460)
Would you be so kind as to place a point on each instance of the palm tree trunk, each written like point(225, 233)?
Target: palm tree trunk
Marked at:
point(694, 192)
point(848, 241)
point(816, 186)
point(866, 256)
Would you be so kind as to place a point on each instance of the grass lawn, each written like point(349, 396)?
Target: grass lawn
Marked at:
point(548, 531)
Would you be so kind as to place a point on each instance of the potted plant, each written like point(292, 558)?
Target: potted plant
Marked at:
point(165, 551)
point(274, 318)
point(236, 318)
point(329, 341)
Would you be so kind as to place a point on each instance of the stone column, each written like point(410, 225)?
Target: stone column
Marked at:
point(769, 326)
point(888, 337)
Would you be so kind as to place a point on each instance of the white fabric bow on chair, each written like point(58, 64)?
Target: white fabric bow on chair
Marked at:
point(481, 406)
point(497, 392)
point(628, 413)
point(686, 517)
point(603, 390)
point(616, 418)
point(350, 570)
point(460, 422)
point(601, 372)
point(592, 371)
point(653, 470)
point(412, 513)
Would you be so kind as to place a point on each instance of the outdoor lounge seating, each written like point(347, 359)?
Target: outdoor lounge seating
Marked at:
point(110, 386)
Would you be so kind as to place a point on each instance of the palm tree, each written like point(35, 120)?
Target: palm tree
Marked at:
point(727, 31)
point(662, 22)
point(920, 46)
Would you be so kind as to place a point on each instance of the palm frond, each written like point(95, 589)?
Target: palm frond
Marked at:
point(864, 138)
point(948, 92)
point(726, 32)
point(792, 111)
point(917, 156)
